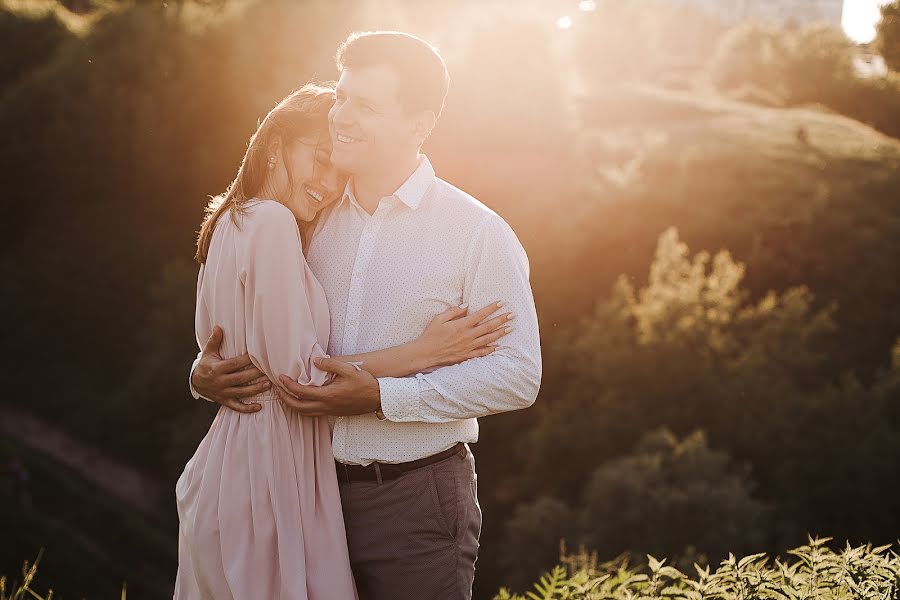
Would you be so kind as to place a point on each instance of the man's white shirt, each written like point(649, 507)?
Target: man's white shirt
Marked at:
point(427, 247)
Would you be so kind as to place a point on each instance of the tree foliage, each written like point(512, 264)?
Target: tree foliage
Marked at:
point(888, 34)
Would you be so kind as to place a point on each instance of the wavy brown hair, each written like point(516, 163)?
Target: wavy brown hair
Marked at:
point(302, 114)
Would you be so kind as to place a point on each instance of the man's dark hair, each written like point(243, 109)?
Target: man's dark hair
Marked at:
point(423, 76)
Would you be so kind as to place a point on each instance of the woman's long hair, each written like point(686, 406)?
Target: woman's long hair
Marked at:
point(302, 114)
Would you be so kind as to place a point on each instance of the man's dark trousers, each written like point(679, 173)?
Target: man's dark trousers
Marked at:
point(415, 537)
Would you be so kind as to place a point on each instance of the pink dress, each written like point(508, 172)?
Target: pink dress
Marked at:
point(258, 504)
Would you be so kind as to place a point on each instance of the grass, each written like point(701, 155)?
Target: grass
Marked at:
point(24, 589)
point(94, 541)
point(814, 571)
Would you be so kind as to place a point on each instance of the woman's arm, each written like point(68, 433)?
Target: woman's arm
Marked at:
point(286, 326)
point(451, 338)
point(403, 360)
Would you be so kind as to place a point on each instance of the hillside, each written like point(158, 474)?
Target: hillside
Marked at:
point(803, 196)
point(98, 522)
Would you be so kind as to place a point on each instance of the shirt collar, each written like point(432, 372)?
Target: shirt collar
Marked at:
point(411, 191)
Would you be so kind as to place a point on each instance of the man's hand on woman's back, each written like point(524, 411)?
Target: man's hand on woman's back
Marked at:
point(227, 380)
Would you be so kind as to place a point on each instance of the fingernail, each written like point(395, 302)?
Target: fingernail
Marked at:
point(464, 306)
point(509, 330)
point(510, 317)
point(500, 304)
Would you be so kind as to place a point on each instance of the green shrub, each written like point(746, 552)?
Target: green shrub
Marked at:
point(815, 571)
point(874, 101)
point(669, 496)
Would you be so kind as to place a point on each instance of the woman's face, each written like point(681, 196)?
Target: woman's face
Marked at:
point(316, 182)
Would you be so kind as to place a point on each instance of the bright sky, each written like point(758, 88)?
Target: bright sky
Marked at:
point(860, 17)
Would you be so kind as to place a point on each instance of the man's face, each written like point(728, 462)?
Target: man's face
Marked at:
point(369, 127)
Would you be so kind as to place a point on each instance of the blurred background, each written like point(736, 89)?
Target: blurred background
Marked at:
point(708, 191)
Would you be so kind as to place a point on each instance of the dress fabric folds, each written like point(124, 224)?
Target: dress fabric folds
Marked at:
point(258, 503)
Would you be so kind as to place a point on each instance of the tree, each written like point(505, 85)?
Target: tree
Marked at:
point(888, 40)
point(668, 497)
point(808, 65)
point(750, 54)
point(818, 65)
point(687, 350)
point(533, 535)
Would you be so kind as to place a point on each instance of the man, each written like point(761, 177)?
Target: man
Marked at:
point(399, 247)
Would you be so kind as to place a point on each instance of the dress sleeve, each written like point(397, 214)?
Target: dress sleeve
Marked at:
point(281, 310)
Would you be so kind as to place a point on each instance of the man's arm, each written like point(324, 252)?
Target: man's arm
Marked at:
point(509, 378)
point(225, 381)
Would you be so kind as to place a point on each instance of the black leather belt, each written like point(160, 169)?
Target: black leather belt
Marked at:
point(377, 471)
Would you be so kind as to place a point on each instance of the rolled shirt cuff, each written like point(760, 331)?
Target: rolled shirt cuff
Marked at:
point(191, 384)
point(400, 398)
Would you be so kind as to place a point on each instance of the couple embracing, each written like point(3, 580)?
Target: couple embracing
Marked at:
point(357, 315)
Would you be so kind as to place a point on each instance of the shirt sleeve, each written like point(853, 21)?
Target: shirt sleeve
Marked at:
point(496, 268)
point(194, 392)
point(196, 362)
point(284, 320)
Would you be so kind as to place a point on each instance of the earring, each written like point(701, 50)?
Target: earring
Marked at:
point(271, 162)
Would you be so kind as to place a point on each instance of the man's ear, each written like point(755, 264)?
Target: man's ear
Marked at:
point(423, 124)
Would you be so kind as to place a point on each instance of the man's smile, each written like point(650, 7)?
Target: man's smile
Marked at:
point(346, 139)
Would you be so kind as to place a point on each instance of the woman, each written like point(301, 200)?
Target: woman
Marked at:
point(258, 503)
